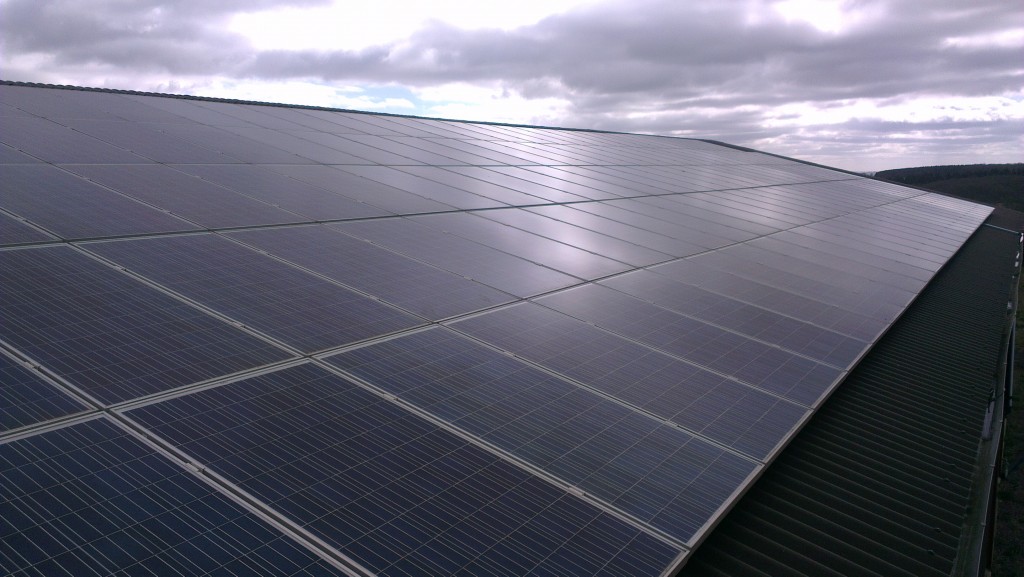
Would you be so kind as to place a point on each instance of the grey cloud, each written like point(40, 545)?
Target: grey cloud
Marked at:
point(664, 62)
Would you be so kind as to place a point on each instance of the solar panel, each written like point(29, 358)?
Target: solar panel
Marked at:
point(721, 409)
point(109, 335)
point(558, 256)
point(16, 231)
point(72, 207)
point(300, 309)
point(304, 341)
point(90, 499)
point(425, 290)
point(500, 270)
point(645, 467)
point(288, 193)
point(391, 490)
point(27, 398)
point(186, 196)
point(757, 363)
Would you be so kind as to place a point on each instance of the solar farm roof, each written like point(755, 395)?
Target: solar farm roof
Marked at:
point(289, 341)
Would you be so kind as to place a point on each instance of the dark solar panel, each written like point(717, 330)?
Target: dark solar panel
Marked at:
point(552, 254)
point(90, 499)
point(714, 406)
point(27, 398)
point(288, 193)
point(53, 142)
point(787, 332)
point(412, 285)
point(586, 239)
point(391, 490)
point(300, 309)
point(362, 189)
point(500, 270)
point(762, 365)
point(643, 466)
point(16, 231)
point(603, 429)
point(110, 335)
point(146, 141)
point(187, 196)
point(72, 207)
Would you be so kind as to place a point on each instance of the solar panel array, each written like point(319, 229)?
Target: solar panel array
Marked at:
point(280, 340)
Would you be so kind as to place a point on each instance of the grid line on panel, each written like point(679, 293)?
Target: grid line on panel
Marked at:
point(535, 421)
point(662, 386)
point(91, 499)
point(309, 444)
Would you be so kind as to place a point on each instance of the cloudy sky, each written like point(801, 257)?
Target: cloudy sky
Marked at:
point(858, 84)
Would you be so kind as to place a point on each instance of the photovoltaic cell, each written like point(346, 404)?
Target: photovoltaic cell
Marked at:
point(718, 408)
point(792, 334)
point(90, 499)
point(300, 309)
point(288, 193)
point(475, 261)
point(586, 239)
point(72, 207)
point(773, 369)
point(412, 285)
point(362, 189)
point(27, 398)
point(391, 490)
point(14, 231)
point(649, 469)
point(422, 187)
point(556, 255)
point(52, 142)
point(110, 335)
point(187, 196)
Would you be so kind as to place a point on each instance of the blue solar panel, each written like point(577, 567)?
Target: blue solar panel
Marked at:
point(645, 467)
point(792, 334)
point(110, 335)
point(72, 207)
point(762, 365)
point(187, 196)
point(15, 231)
point(27, 398)
point(389, 489)
point(90, 499)
point(302, 310)
point(500, 270)
point(412, 285)
point(718, 408)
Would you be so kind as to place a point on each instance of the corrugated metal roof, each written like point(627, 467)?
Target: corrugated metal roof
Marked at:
point(879, 482)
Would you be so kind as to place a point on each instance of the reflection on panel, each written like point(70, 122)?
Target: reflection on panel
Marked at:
point(418, 287)
point(719, 408)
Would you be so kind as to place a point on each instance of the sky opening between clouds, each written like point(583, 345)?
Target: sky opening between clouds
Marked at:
point(858, 84)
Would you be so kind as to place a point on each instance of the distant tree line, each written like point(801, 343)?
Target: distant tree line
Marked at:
point(994, 184)
point(925, 174)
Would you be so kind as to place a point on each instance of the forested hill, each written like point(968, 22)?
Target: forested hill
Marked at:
point(995, 184)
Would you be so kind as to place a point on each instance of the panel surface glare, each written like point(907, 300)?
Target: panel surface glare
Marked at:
point(425, 290)
point(760, 364)
point(721, 409)
point(111, 335)
point(391, 490)
point(90, 499)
